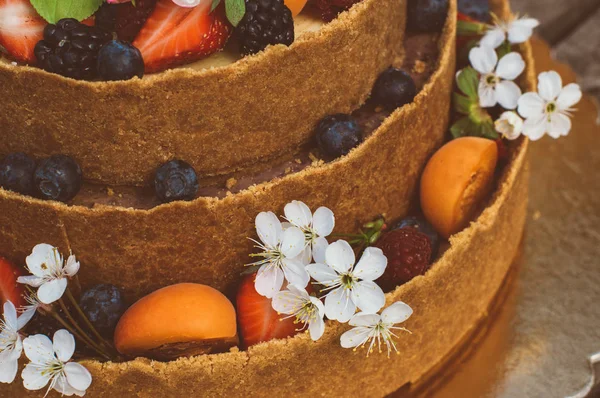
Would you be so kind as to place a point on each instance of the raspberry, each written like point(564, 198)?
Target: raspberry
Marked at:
point(408, 252)
point(331, 8)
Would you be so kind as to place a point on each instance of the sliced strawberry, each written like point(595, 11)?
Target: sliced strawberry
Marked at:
point(175, 35)
point(125, 19)
point(20, 29)
point(257, 320)
point(9, 288)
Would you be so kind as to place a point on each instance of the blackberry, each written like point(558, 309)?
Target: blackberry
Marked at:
point(266, 22)
point(71, 48)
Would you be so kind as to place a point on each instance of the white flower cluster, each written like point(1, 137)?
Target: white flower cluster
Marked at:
point(297, 250)
point(546, 112)
point(50, 360)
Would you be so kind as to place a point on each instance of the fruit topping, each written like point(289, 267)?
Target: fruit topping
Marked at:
point(423, 227)
point(70, 49)
point(57, 178)
point(480, 10)
point(295, 6)
point(337, 135)
point(119, 60)
point(179, 320)
point(16, 173)
point(427, 15)
point(408, 252)
point(10, 290)
point(103, 305)
point(126, 19)
point(175, 35)
point(266, 22)
point(20, 29)
point(330, 9)
point(455, 182)
point(258, 321)
point(393, 89)
point(175, 180)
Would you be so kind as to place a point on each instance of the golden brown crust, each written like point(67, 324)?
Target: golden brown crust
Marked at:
point(219, 120)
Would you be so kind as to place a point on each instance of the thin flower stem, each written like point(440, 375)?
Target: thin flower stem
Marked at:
point(56, 316)
point(87, 321)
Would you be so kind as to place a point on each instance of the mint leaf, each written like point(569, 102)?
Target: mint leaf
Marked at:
point(55, 10)
point(235, 10)
point(468, 82)
point(214, 5)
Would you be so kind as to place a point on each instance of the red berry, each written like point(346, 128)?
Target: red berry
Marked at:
point(20, 29)
point(331, 8)
point(10, 290)
point(408, 252)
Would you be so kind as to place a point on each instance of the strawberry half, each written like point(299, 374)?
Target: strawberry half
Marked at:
point(20, 29)
point(257, 320)
point(9, 288)
point(175, 35)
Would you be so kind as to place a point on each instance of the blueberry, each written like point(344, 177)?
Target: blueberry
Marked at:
point(393, 89)
point(175, 180)
point(103, 305)
point(16, 173)
point(425, 228)
point(477, 9)
point(57, 178)
point(338, 134)
point(119, 60)
point(427, 15)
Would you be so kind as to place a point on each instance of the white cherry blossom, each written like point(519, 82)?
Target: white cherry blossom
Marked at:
point(516, 31)
point(50, 363)
point(496, 84)
point(308, 311)
point(11, 345)
point(280, 249)
point(375, 327)
point(189, 3)
point(510, 125)
point(549, 110)
point(49, 271)
point(316, 227)
point(350, 286)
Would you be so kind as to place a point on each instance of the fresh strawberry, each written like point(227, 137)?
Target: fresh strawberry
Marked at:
point(9, 288)
point(175, 35)
point(20, 29)
point(257, 320)
point(125, 19)
point(408, 252)
point(331, 8)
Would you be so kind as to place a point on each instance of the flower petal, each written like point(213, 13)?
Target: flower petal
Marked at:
point(63, 345)
point(323, 221)
point(78, 376)
point(510, 125)
point(33, 378)
point(362, 319)
point(51, 291)
point(549, 85)
point(483, 59)
point(64, 388)
point(510, 66)
point(319, 248)
point(10, 316)
point(268, 228)
point(340, 256)
point(339, 306)
point(508, 94)
point(25, 317)
point(493, 38)
point(286, 301)
point(368, 296)
point(43, 260)
point(316, 329)
point(354, 337)
point(268, 280)
point(38, 348)
point(535, 127)
point(560, 125)
point(292, 242)
point(371, 265)
point(521, 30)
point(531, 105)
point(72, 266)
point(295, 272)
point(31, 280)
point(487, 95)
point(298, 214)
point(322, 273)
point(569, 96)
point(8, 365)
point(306, 256)
point(396, 313)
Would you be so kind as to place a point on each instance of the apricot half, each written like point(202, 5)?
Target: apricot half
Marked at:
point(179, 320)
point(455, 182)
point(295, 6)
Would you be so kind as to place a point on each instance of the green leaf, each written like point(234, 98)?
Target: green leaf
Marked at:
point(466, 28)
point(55, 10)
point(461, 103)
point(468, 82)
point(214, 5)
point(235, 10)
point(487, 130)
point(463, 127)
